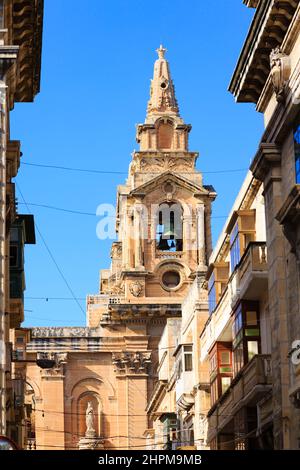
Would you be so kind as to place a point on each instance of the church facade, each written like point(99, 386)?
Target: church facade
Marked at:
point(89, 387)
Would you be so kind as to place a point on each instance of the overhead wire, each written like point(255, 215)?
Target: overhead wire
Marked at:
point(113, 172)
point(51, 255)
point(91, 214)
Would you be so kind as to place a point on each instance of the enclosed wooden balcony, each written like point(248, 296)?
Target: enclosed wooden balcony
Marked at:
point(246, 390)
point(253, 272)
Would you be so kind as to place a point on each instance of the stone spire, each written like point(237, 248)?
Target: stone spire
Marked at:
point(162, 92)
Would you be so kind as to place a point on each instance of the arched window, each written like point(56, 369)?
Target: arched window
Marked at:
point(165, 135)
point(169, 228)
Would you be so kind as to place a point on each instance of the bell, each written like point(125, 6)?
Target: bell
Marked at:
point(163, 244)
point(172, 245)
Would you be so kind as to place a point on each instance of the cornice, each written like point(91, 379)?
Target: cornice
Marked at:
point(268, 29)
point(27, 29)
point(268, 155)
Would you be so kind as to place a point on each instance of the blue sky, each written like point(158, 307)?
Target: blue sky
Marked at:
point(97, 63)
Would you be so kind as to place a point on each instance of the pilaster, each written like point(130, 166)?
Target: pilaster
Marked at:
point(267, 168)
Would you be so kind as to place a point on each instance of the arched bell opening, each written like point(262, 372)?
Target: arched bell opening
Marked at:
point(169, 230)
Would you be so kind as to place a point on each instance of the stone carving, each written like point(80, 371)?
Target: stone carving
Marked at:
point(116, 251)
point(152, 164)
point(203, 428)
point(59, 360)
point(48, 332)
point(167, 162)
point(127, 362)
point(180, 164)
point(280, 72)
point(89, 419)
point(118, 290)
point(136, 288)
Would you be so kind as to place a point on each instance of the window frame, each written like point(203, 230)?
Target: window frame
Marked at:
point(245, 333)
point(235, 247)
point(188, 356)
point(219, 370)
point(296, 137)
point(212, 294)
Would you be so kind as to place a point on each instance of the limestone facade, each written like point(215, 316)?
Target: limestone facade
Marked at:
point(163, 245)
point(268, 74)
point(236, 341)
point(21, 24)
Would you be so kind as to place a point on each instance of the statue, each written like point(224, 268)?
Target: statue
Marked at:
point(89, 417)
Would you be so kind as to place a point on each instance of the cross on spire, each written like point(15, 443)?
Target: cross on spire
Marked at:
point(161, 52)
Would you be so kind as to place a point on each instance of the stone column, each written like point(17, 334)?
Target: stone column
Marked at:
point(126, 239)
point(201, 235)
point(138, 236)
point(187, 233)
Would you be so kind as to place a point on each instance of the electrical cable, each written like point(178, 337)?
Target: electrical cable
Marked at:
point(52, 256)
point(108, 172)
point(91, 214)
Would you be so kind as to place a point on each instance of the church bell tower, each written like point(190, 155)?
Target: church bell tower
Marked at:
point(163, 210)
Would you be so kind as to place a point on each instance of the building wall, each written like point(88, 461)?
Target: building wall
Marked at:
point(20, 60)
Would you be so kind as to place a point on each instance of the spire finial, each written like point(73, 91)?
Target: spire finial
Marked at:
point(161, 52)
point(162, 93)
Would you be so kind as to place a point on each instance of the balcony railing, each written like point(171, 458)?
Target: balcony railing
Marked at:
point(254, 259)
point(31, 444)
point(104, 300)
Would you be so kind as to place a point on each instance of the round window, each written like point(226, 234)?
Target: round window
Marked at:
point(171, 279)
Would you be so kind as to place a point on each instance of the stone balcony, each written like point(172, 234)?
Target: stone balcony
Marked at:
point(184, 389)
point(251, 384)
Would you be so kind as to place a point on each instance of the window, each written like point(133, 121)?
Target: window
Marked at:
point(241, 230)
point(14, 234)
point(169, 228)
point(220, 370)
point(188, 358)
point(20, 354)
point(213, 363)
point(235, 253)
point(212, 299)
point(238, 358)
point(13, 256)
point(246, 334)
point(297, 153)
point(214, 393)
point(1, 14)
point(225, 383)
point(252, 349)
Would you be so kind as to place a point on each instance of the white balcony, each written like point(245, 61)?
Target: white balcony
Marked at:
point(183, 390)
